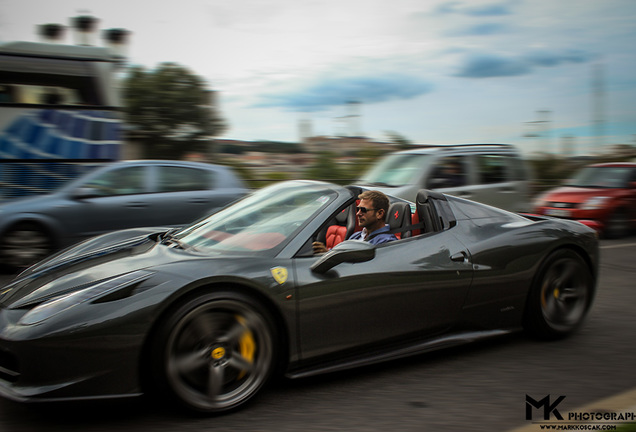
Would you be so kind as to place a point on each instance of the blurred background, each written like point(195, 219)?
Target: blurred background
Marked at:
point(264, 91)
point(283, 90)
point(289, 84)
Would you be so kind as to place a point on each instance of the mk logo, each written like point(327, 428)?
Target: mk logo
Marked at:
point(547, 407)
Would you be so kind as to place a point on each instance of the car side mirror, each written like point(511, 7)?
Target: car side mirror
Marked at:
point(353, 251)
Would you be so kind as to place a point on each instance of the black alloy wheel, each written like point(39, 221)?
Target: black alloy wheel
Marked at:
point(216, 351)
point(560, 296)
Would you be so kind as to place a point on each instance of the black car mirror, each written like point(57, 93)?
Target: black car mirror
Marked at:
point(348, 251)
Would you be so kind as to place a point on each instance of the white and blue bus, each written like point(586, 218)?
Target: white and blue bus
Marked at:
point(59, 114)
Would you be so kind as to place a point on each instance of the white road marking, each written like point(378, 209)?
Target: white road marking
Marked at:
point(618, 246)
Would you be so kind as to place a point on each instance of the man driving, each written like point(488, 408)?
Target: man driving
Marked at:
point(371, 214)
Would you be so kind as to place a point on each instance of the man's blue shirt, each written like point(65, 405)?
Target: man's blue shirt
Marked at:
point(381, 235)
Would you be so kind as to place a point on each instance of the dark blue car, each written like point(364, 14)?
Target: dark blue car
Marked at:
point(115, 196)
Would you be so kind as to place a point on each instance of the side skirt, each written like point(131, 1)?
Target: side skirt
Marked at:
point(419, 348)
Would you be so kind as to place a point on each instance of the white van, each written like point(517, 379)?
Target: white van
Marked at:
point(493, 174)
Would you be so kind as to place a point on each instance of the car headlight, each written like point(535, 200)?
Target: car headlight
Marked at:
point(64, 302)
point(594, 203)
point(539, 202)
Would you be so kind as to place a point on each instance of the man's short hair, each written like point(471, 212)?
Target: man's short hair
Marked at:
point(379, 200)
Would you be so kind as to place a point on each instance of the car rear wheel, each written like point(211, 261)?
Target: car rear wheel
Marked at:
point(560, 297)
point(25, 244)
point(215, 352)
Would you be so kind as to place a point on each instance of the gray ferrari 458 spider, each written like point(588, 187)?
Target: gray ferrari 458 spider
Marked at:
point(206, 314)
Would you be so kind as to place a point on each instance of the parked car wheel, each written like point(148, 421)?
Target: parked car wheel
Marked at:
point(115, 196)
point(618, 224)
point(560, 296)
point(216, 352)
point(24, 244)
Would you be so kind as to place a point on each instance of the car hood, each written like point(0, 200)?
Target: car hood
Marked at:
point(90, 262)
point(571, 194)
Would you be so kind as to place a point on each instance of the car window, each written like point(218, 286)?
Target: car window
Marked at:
point(123, 181)
point(396, 170)
point(492, 168)
point(517, 169)
point(177, 179)
point(601, 177)
point(451, 171)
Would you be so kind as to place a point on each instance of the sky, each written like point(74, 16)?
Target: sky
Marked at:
point(533, 73)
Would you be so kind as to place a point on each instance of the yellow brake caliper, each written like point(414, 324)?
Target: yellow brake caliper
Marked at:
point(247, 345)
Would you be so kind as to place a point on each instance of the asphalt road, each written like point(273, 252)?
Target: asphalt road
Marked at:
point(480, 387)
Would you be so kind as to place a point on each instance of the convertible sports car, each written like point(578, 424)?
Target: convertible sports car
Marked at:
point(207, 313)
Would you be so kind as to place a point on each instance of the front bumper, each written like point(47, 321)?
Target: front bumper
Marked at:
point(69, 366)
point(93, 351)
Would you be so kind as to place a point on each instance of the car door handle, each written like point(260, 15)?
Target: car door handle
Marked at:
point(198, 201)
point(137, 204)
point(459, 257)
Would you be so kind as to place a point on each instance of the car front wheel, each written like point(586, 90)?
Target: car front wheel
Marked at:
point(216, 351)
point(560, 296)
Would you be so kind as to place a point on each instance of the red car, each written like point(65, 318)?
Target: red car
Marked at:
point(602, 196)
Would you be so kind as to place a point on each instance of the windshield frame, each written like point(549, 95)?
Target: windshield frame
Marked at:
point(263, 222)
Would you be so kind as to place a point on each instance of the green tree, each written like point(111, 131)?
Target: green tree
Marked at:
point(169, 111)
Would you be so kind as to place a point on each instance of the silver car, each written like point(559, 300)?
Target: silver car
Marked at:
point(115, 196)
point(493, 174)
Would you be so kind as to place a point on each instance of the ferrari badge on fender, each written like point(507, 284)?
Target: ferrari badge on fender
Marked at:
point(279, 274)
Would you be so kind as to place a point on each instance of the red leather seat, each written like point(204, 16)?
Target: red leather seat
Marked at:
point(342, 227)
point(415, 219)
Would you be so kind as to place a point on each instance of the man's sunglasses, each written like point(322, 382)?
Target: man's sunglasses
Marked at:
point(363, 210)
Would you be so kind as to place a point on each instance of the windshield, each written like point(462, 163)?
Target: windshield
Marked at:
point(398, 169)
point(601, 177)
point(261, 221)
